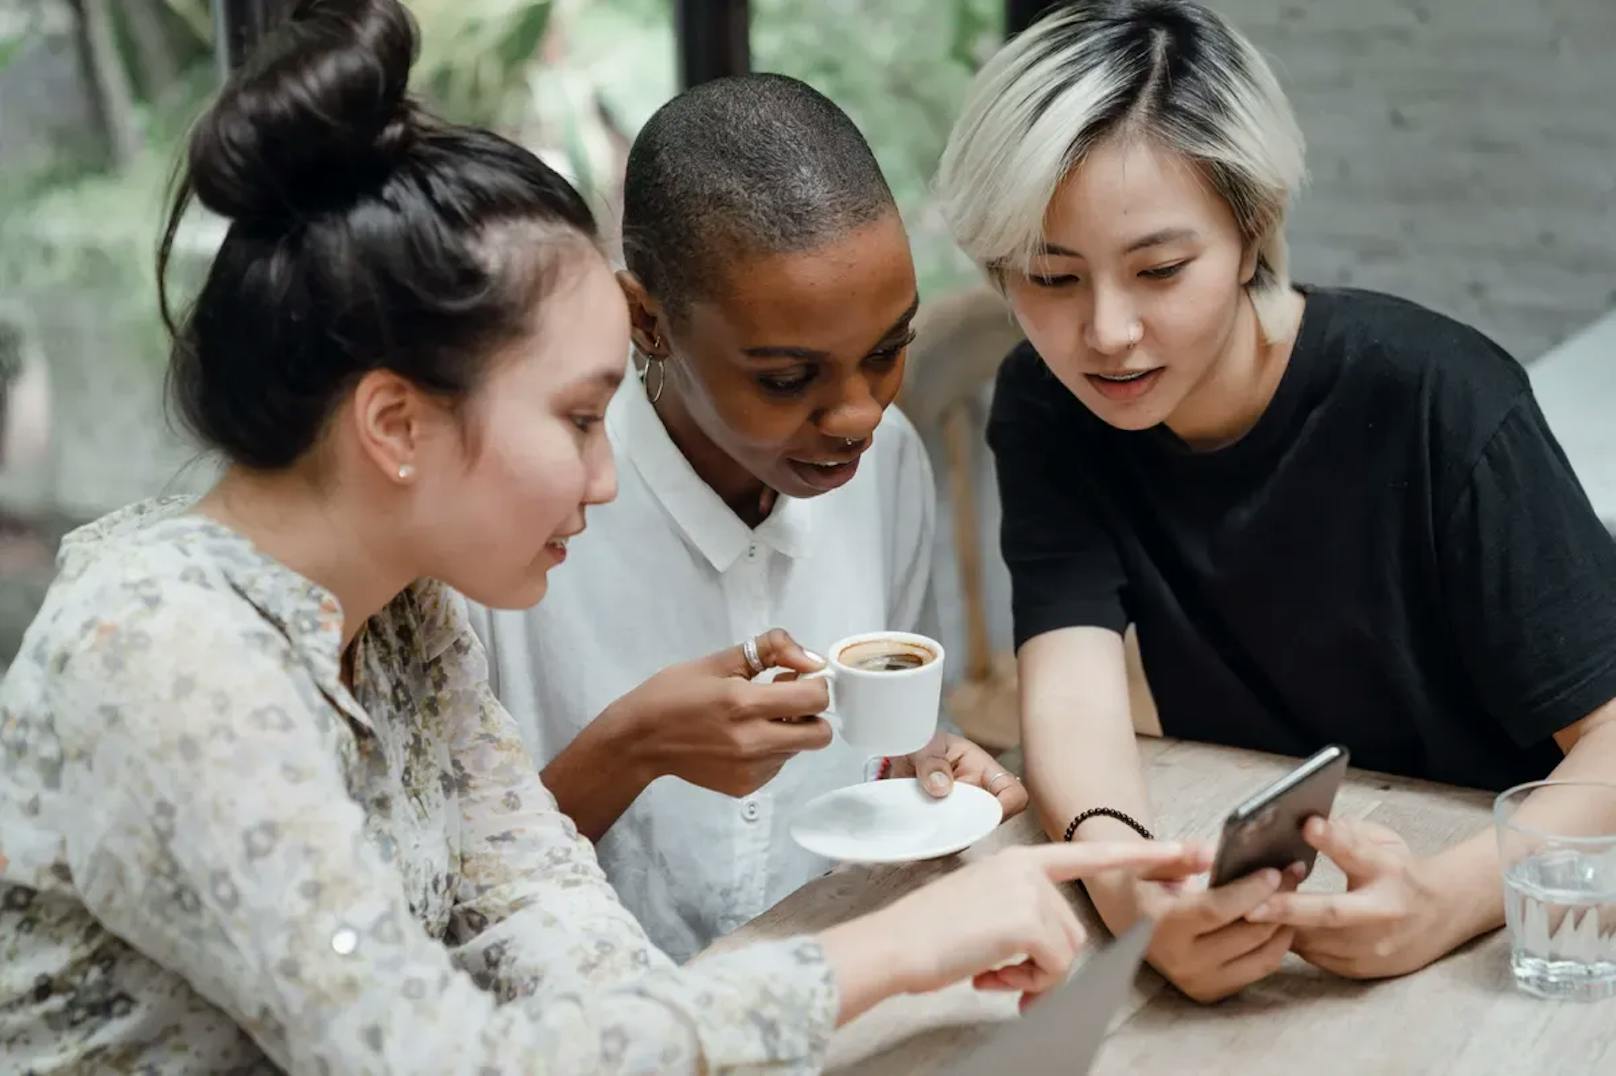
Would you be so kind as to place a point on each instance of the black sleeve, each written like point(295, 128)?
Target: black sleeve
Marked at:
point(1529, 579)
point(1064, 567)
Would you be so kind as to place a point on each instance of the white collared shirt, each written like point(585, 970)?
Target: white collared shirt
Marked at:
point(667, 573)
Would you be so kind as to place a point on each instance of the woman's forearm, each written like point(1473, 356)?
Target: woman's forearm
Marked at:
point(1080, 750)
point(597, 777)
point(1470, 870)
point(1077, 735)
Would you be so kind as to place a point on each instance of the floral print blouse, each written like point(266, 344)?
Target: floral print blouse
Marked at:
point(221, 859)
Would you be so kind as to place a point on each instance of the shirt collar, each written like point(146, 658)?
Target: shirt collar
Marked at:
point(306, 613)
point(707, 522)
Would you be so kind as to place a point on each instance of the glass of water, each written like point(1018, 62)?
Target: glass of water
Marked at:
point(1560, 886)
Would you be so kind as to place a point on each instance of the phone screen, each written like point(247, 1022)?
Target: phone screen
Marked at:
point(1266, 830)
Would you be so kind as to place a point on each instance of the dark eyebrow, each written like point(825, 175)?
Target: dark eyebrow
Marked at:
point(1154, 239)
point(903, 321)
point(783, 352)
point(815, 355)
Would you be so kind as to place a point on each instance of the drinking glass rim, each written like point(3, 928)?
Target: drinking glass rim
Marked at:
point(1498, 803)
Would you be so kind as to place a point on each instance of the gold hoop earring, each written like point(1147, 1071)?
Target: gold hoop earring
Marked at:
point(662, 372)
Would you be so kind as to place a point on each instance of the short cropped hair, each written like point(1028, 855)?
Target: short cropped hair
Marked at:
point(1169, 71)
point(754, 164)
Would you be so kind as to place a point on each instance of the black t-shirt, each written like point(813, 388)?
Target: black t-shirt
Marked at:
point(1396, 557)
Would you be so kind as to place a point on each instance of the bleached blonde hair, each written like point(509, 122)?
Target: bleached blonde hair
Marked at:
point(1168, 71)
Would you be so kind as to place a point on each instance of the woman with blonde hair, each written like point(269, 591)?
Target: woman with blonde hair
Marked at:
point(1333, 515)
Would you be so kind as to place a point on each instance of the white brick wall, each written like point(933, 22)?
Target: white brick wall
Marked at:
point(1462, 153)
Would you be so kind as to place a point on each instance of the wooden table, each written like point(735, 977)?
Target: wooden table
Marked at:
point(1460, 1015)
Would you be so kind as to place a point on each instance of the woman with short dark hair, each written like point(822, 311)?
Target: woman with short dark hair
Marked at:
point(768, 480)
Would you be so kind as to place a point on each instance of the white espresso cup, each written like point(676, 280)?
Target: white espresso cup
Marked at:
point(885, 688)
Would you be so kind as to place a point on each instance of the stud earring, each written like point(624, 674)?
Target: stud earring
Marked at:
point(406, 471)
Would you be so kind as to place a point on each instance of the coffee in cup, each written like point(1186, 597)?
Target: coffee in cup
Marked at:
point(886, 655)
point(885, 688)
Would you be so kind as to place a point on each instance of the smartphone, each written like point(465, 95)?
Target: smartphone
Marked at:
point(1266, 830)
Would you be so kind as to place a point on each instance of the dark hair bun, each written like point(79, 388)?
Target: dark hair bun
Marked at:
point(317, 114)
point(364, 237)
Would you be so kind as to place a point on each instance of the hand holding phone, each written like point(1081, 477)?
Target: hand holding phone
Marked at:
point(1266, 830)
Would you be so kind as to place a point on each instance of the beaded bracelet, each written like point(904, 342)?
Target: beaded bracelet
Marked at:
point(885, 771)
point(1108, 812)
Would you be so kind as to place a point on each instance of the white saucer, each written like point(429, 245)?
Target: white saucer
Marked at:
point(894, 821)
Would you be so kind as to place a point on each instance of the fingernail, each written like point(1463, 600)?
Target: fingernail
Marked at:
point(1260, 912)
point(815, 658)
point(937, 782)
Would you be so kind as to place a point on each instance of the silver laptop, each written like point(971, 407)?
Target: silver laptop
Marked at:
point(1063, 1032)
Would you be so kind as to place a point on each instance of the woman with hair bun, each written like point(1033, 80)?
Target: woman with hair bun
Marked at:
point(260, 809)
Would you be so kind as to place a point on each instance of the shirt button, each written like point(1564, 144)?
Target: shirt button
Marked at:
point(750, 810)
point(345, 941)
point(751, 552)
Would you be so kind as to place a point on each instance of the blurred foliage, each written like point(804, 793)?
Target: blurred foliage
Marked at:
point(197, 16)
point(475, 55)
point(572, 78)
point(65, 224)
point(12, 39)
point(20, 22)
point(900, 69)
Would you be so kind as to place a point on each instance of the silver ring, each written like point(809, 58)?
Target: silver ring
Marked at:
point(754, 664)
point(995, 779)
